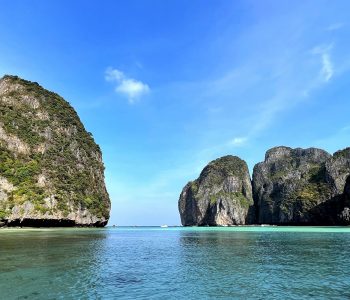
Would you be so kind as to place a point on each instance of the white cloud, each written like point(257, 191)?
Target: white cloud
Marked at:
point(327, 67)
point(290, 95)
point(133, 89)
point(114, 75)
point(238, 141)
point(327, 70)
point(335, 26)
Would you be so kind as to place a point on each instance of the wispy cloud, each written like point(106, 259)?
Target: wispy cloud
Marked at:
point(335, 141)
point(291, 90)
point(335, 26)
point(291, 82)
point(327, 69)
point(238, 141)
point(131, 88)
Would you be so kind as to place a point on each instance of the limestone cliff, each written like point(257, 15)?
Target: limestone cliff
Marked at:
point(337, 170)
point(290, 187)
point(300, 186)
point(222, 195)
point(51, 170)
point(344, 216)
point(289, 184)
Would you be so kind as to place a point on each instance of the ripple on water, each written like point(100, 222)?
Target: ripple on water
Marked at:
point(183, 263)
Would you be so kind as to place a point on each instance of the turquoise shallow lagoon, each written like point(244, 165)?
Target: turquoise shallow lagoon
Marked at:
point(175, 263)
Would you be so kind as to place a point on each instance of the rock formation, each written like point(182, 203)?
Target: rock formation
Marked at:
point(222, 195)
point(337, 170)
point(290, 187)
point(344, 216)
point(51, 170)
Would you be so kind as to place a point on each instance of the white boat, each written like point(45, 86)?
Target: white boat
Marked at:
point(164, 226)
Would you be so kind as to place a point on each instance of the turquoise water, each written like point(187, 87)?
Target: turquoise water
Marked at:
point(176, 263)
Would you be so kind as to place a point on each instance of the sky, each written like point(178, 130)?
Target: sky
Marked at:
point(167, 86)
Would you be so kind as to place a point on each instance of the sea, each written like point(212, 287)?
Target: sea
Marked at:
point(175, 263)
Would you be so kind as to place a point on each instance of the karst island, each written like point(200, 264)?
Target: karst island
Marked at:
point(290, 187)
point(51, 170)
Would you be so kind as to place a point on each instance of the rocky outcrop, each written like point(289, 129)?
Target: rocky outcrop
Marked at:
point(290, 185)
point(337, 170)
point(222, 195)
point(300, 186)
point(51, 170)
point(347, 192)
point(344, 216)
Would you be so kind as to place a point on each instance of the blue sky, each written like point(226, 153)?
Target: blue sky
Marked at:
point(167, 86)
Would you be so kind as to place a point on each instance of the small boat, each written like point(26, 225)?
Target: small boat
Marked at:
point(164, 226)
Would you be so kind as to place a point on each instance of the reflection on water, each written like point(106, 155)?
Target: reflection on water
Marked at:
point(267, 265)
point(182, 263)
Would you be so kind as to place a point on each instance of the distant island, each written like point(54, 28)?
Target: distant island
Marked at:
point(51, 170)
point(290, 187)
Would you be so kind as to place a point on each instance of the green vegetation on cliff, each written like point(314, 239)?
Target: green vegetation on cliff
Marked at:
point(235, 197)
point(46, 152)
point(223, 167)
point(221, 195)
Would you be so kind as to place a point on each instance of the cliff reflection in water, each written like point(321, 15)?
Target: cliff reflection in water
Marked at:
point(263, 264)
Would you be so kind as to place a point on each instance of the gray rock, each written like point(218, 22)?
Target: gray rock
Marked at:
point(344, 216)
point(290, 186)
point(347, 192)
point(51, 169)
point(337, 170)
point(222, 195)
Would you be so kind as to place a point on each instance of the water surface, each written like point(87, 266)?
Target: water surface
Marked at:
point(175, 263)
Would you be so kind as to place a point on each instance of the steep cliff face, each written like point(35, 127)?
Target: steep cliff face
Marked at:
point(222, 195)
point(344, 216)
point(51, 170)
point(299, 186)
point(347, 192)
point(337, 170)
point(337, 209)
point(290, 187)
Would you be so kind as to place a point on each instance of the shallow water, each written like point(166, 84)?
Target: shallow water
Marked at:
point(175, 263)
